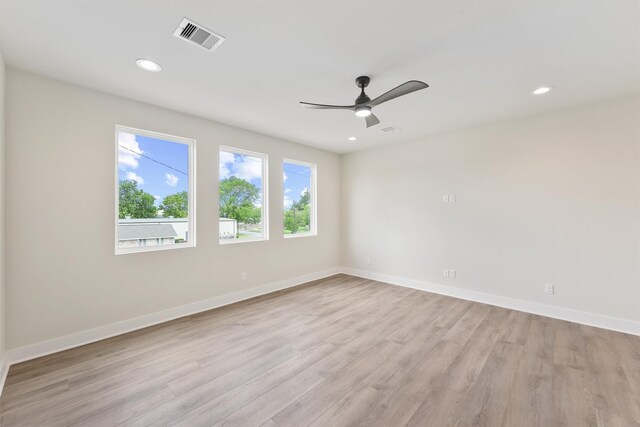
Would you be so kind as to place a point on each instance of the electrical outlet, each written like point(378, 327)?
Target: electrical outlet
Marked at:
point(369, 260)
point(452, 274)
point(243, 276)
point(445, 273)
point(445, 198)
point(549, 289)
point(452, 198)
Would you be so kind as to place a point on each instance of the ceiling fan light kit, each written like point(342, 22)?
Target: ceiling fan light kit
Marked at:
point(364, 104)
point(363, 111)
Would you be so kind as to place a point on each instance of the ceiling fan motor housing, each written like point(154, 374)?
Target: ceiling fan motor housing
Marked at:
point(362, 82)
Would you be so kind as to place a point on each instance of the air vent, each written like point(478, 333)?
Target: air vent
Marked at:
point(198, 35)
point(390, 129)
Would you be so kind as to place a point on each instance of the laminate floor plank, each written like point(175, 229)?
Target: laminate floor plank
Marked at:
point(340, 351)
point(532, 390)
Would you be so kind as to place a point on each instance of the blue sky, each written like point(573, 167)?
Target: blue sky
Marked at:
point(154, 178)
point(297, 179)
point(241, 166)
point(167, 174)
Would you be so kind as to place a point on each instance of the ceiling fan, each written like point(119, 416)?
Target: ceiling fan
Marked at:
point(364, 104)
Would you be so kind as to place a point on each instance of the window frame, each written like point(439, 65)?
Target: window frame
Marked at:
point(191, 216)
point(313, 228)
point(265, 194)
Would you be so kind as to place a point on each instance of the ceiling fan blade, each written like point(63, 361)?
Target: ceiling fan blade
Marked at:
point(371, 120)
point(327, 107)
point(403, 89)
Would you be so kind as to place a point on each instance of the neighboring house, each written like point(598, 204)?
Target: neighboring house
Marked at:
point(181, 225)
point(228, 228)
point(134, 233)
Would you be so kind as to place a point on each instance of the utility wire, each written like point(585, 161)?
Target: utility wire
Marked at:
point(153, 160)
point(184, 173)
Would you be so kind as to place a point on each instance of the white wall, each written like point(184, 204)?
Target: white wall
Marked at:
point(553, 198)
point(547, 199)
point(2, 207)
point(62, 274)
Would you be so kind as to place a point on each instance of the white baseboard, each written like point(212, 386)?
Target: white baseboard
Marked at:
point(590, 319)
point(55, 345)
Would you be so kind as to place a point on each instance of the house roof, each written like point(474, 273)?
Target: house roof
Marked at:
point(151, 220)
point(145, 231)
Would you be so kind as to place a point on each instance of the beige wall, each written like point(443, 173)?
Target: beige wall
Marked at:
point(62, 274)
point(2, 208)
point(548, 199)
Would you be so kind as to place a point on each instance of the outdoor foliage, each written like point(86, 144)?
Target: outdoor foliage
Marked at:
point(176, 205)
point(134, 202)
point(299, 214)
point(237, 200)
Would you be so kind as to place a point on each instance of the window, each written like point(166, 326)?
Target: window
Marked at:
point(242, 196)
point(155, 197)
point(299, 198)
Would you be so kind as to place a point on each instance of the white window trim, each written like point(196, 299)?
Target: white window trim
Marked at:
point(313, 230)
point(191, 144)
point(265, 194)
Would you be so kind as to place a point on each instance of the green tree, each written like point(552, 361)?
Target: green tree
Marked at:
point(306, 215)
point(250, 214)
point(291, 221)
point(305, 199)
point(237, 200)
point(134, 202)
point(176, 205)
point(299, 214)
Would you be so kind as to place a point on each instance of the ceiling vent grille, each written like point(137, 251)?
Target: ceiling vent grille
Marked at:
point(198, 35)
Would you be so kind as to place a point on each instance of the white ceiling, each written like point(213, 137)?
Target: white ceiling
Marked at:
point(482, 59)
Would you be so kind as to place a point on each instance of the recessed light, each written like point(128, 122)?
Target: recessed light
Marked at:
point(352, 138)
point(541, 90)
point(148, 65)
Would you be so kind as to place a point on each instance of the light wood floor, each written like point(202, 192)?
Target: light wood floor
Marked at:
point(337, 352)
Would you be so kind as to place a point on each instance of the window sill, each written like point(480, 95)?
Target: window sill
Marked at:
point(125, 251)
point(235, 241)
point(296, 236)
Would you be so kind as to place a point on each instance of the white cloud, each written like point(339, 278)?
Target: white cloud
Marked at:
point(304, 191)
point(284, 176)
point(226, 157)
point(171, 179)
point(287, 202)
point(224, 171)
point(249, 169)
point(157, 197)
point(132, 176)
point(127, 148)
point(240, 166)
point(287, 190)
